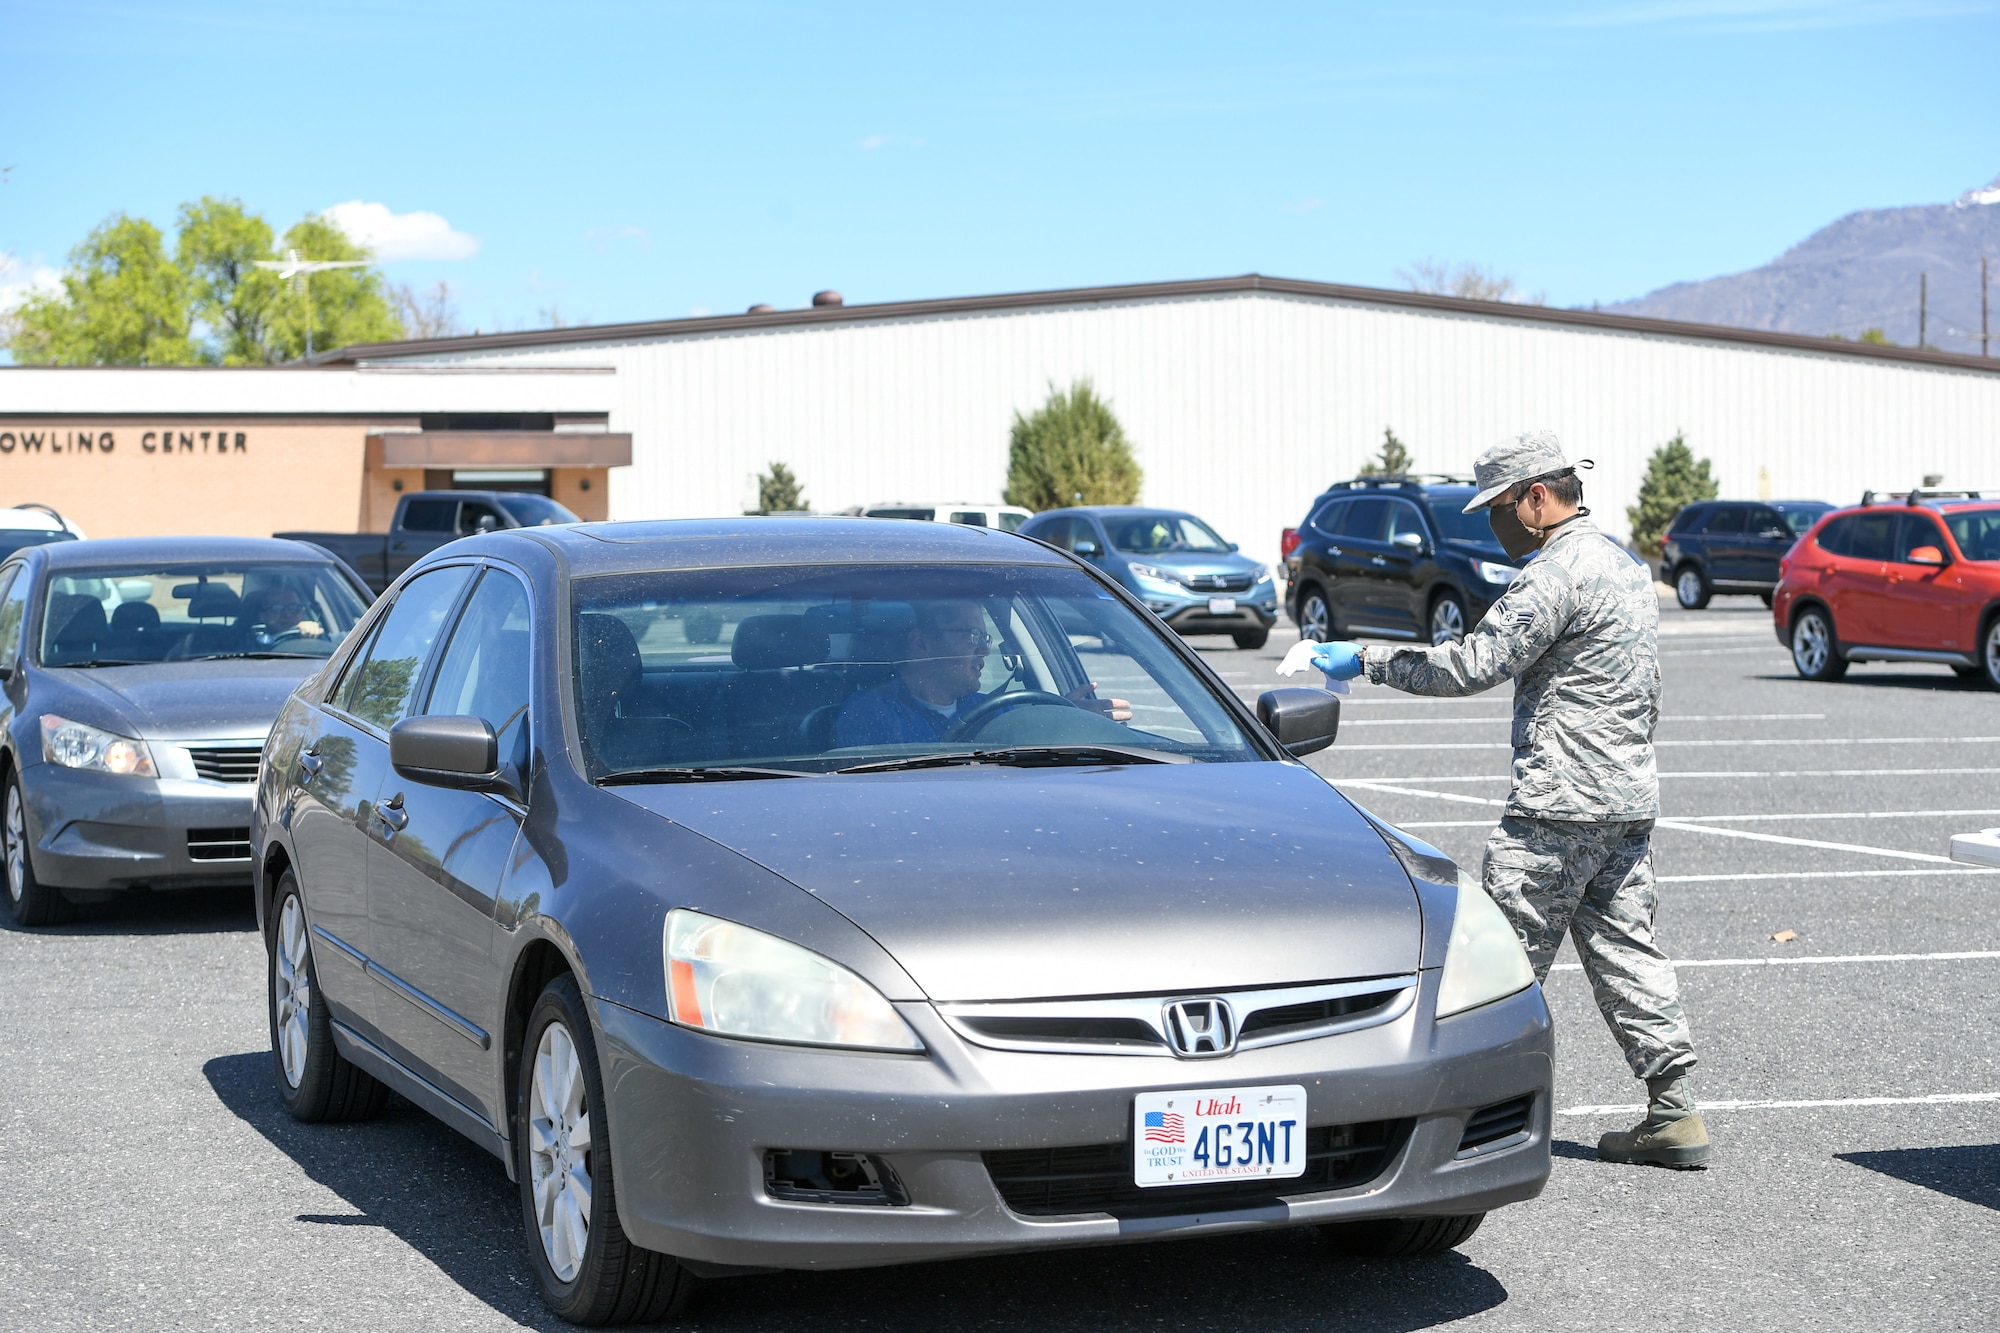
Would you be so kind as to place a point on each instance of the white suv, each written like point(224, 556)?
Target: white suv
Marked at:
point(1007, 518)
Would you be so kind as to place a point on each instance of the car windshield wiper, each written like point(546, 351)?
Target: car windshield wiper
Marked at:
point(635, 776)
point(1027, 756)
point(103, 661)
point(257, 656)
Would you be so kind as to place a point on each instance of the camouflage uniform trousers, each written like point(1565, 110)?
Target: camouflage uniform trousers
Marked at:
point(1594, 880)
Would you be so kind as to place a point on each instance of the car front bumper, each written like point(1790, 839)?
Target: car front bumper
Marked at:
point(692, 1117)
point(103, 831)
point(1189, 614)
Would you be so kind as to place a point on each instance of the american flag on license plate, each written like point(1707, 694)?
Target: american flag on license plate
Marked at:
point(1165, 1127)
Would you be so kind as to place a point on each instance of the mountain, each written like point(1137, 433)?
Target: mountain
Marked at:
point(1858, 273)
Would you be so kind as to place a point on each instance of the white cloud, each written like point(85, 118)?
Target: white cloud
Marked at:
point(20, 279)
point(394, 236)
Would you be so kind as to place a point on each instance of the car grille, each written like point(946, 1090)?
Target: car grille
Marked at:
point(1047, 1182)
point(1218, 582)
point(1500, 1121)
point(218, 844)
point(236, 763)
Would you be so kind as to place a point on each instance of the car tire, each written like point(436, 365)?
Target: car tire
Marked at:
point(316, 1083)
point(32, 902)
point(1447, 619)
point(1765, 598)
point(1691, 588)
point(1815, 652)
point(1400, 1237)
point(1251, 638)
point(589, 1272)
point(1989, 654)
point(1314, 615)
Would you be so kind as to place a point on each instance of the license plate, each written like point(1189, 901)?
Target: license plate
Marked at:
point(1222, 606)
point(1218, 1134)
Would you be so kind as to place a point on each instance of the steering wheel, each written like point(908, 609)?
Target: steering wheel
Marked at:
point(976, 717)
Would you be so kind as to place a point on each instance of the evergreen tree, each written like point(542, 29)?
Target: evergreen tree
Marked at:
point(1071, 451)
point(1674, 479)
point(1393, 461)
point(778, 491)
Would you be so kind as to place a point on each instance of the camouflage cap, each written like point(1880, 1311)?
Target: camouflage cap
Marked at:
point(1518, 458)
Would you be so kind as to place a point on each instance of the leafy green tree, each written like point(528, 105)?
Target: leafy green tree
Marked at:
point(1071, 451)
point(123, 303)
point(219, 246)
point(1674, 479)
point(1393, 461)
point(778, 491)
point(340, 305)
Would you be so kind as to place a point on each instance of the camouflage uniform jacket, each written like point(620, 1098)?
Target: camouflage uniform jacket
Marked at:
point(1577, 633)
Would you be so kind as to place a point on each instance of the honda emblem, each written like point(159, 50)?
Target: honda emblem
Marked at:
point(1201, 1029)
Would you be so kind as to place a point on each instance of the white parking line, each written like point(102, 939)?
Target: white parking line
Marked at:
point(1796, 743)
point(1709, 773)
point(1773, 647)
point(1740, 819)
point(1803, 960)
point(1822, 874)
point(1934, 1099)
point(1508, 717)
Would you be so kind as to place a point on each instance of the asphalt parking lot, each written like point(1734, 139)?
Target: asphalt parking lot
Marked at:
point(149, 1178)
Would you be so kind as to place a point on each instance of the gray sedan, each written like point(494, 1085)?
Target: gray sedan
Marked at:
point(140, 679)
point(822, 893)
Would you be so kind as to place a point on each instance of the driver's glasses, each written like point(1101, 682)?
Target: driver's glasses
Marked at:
point(971, 637)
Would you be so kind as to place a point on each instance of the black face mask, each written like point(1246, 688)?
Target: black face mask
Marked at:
point(1517, 539)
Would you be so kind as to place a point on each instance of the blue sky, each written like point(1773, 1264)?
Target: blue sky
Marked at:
point(619, 162)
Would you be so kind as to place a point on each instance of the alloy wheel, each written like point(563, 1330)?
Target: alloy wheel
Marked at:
point(1811, 645)
point(291, 995)
point(1992, 660)
point(16, 840)
point(1314, 622)
point(559, 1152)
point(1447, 621)
point(1688, 587)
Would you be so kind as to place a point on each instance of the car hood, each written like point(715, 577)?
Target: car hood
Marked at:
point(992, 883)
point(214, 700)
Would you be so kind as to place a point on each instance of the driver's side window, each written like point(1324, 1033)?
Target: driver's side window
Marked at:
point(379, 688)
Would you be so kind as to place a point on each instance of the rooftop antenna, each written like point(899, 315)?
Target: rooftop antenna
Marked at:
point(297, 271)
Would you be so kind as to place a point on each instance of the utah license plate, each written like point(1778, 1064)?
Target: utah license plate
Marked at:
point(1217, 1134)
point(1222, 606)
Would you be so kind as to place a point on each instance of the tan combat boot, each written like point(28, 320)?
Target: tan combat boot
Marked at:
point(1671, 1135)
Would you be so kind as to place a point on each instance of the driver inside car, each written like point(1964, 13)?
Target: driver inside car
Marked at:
point(277, 609)
point(937, 682)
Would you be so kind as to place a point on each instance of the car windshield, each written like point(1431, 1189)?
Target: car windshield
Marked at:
point(15, 539)
point(1801, 518)
point(536, 511)
point(1151, 534)
point(1977, 532)
point(825, 668)
point(1460, 527)
point(178, 613)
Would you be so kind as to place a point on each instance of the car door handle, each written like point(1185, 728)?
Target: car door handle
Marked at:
point(310, 764)
point(1377, 560)
point(392, 814)
point(1335, 550)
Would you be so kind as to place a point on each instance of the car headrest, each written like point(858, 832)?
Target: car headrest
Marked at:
point(135, 617)
point(767, 643)
point(78, 619)
point(874, 632)
point(212, 599)
point(608, 662)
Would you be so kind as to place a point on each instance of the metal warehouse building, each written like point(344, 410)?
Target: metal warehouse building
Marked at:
point(1244, 396)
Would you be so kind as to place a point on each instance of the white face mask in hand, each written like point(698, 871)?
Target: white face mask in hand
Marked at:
point(1301, 657)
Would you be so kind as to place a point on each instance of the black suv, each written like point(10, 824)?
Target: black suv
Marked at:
point(1732, 546)
point(1395, 558)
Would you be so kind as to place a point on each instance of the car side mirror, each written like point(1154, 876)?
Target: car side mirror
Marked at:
point(1412, 540)
point(1086, 548)
point(1926, 555)
point(1303, 720)
point(444, 751)
point(1234, 547)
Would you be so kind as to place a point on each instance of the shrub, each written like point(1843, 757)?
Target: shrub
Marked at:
point(1674, 479)
point(778, 491)
point(1071, 451)
point(1393, 461)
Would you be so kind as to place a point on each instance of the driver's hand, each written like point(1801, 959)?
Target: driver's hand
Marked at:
point(311, 629)
point(1085, 696)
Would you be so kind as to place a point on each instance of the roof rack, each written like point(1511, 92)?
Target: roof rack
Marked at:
point(1405, 480)
point(1917, 495)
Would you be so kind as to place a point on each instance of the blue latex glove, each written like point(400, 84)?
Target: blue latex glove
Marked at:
point(1338, 661)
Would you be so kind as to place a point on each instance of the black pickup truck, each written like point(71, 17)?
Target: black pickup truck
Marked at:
point(426, 520)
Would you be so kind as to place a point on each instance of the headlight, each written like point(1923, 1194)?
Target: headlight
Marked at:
point(1261, 574)
point(1485, 961)
point(1493, 573)
point(1164, 577)
point(738, 982)
point(73, 745)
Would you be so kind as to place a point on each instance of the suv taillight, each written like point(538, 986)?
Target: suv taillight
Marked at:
point(1288, 542)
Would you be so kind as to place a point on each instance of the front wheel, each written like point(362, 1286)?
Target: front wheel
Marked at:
point(1314, 616)
point(1251, 638)
point(589, 1272)
point(33, 902)
point(1397, 1237)
point(1989, 654)
point(1447, 619)
point(1813, 652)
point(1691, 588)
point(316, 1082)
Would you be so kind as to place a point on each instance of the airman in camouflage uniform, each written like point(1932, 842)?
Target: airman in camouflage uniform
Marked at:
point(1576, 632)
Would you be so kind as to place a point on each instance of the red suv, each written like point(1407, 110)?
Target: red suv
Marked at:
point(1910, 579)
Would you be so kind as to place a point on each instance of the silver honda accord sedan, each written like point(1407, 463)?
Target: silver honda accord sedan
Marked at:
point(816, 893)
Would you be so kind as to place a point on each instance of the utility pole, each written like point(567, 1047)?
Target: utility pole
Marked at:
point(1985, 339)
point(1923, 306)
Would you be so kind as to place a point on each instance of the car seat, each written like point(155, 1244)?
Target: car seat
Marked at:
point(781, 659)
point(77, 626)
point(135, 631)
point(619, 731)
